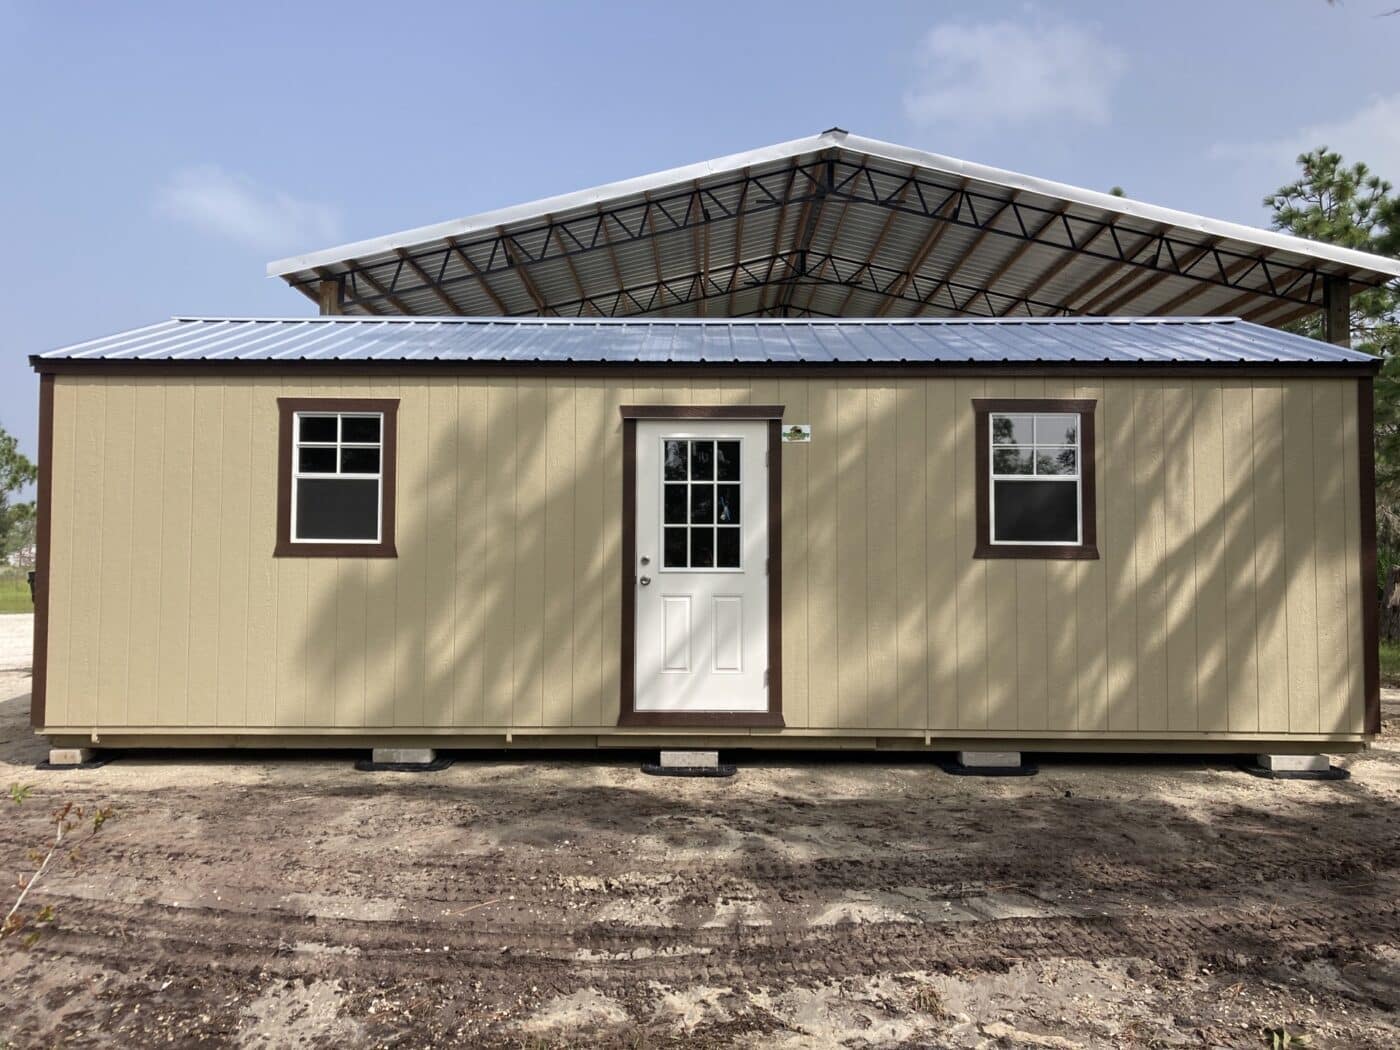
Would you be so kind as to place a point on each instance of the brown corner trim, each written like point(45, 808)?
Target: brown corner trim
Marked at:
point(701, 411)
point(39, 681)
point(1088, 548)
point(628, 714)
point(287, 408)
point(1370, 587)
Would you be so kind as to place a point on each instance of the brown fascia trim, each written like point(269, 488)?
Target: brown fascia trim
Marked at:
point(287, 408)
point(38, 689)
point(1370, 588)
point(727, 369)
point(1088, 548)
point(628, 715)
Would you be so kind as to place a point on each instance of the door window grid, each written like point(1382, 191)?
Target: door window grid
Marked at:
point(700, 506)
point(331, 446)
point(1035, 448)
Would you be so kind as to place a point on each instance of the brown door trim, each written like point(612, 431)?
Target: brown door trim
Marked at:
point(1370, 587)
point(630, 716)
point(43, 529)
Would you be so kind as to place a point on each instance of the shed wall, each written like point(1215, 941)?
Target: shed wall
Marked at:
point(1226, 602)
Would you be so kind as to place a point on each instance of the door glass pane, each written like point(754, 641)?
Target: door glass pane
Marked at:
point(1012, 430)
point(673, 556)
point(702, 504)
point(727, 460)
point(316, 460)
point(359, 460)
point(727, 549)
point(359, 429)
point(675, 460)
point(702, 461)
point(1011, 461)
point(702, 548)
point(675, 504)
point(727, 504)
point(317, 428)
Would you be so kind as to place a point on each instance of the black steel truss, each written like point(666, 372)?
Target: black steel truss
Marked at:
point(809, 183)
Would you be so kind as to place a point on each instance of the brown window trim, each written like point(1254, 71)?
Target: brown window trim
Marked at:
point(629, 715)
point(1088, 548)
point(287, 408)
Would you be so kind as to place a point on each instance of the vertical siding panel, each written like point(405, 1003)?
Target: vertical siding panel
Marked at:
point(351, 584)
point(262, 567)
point(1179, 566)
point(1149, 554)
point(822, 539)
point(1299, 556)
point(177, 511)
point(557, 623)
point(1118, 484)
point(797, 461)
point(205, 627)
point(1003, 618)
point(1356, 644)
point(498, 596)
point(411, 568)
point(530, 509)
point(147, 555)
point(911, 552)
point(471, 554)
point(1242, 671)
point(1088, 648)
point(616, 394)
point(381, 616)
point(853, 654)
point(443, 636)
point(588, 449)
point(882, 567)
point(293, 606)
point(947, 552)
point(1329, 499)
point(1269, 558)
point(63, 586)
point(1056, 626)
point(972, 577)
point(88, 523)
point(113, 582)
point(1207, 451)
point(234, 539)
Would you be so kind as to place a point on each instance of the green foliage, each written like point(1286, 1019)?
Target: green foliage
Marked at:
point(1349, 205)
point(1390, 663)
point(16, 519)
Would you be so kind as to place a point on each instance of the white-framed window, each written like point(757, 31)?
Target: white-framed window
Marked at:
point(337, 477)
point(1035, 489)
point(701, 493)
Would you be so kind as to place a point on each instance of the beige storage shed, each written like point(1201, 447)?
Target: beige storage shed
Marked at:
point(952, 534)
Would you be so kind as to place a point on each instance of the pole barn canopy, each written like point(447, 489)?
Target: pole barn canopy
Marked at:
point(836, 225)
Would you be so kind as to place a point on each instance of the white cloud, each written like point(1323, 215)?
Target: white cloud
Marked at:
point(231, 205)
point(1013, 72)
point(1371, 134)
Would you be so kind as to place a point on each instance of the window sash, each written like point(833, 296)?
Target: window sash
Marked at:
point(1035, 449)
point(298, 474)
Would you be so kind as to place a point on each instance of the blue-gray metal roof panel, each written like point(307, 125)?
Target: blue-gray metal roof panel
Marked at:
point(1076, 340)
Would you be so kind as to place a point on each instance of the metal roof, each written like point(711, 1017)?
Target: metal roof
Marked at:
point(1081, 341)
point(835, 225)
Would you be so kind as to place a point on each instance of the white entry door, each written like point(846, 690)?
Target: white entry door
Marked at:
point(701, 573)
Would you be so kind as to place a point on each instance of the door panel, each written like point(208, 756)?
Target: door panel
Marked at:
point(701, 573)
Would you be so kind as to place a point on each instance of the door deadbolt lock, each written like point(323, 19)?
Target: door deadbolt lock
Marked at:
point(646, 560)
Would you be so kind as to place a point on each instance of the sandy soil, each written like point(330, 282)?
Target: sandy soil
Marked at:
point(276, 900)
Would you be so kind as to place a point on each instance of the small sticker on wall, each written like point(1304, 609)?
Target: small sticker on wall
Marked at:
point(798, 432)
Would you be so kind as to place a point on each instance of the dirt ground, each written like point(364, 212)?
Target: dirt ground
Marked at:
point(275, 900)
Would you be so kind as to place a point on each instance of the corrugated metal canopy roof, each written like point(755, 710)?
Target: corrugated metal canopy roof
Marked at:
point(1081, 341)
point(835, 225)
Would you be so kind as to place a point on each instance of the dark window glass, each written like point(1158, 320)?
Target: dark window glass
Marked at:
point(702, 548)
point(1036, 512)
point(1011, 461)
point(316, 461)
point(727, 504)
point(673, 555)
point(318, 428)
point(675, 461)
point(359, 461)
point(702, 461)
point(337, 509)
point(727, 549)
point(675, 503)
point(727, 460)
point(702, 504)
point(359, 429)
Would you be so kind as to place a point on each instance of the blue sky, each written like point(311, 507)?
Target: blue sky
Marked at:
point(157, 156)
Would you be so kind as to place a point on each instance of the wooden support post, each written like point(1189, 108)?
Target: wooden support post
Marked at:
point(1336, 310)
point(330, 295)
